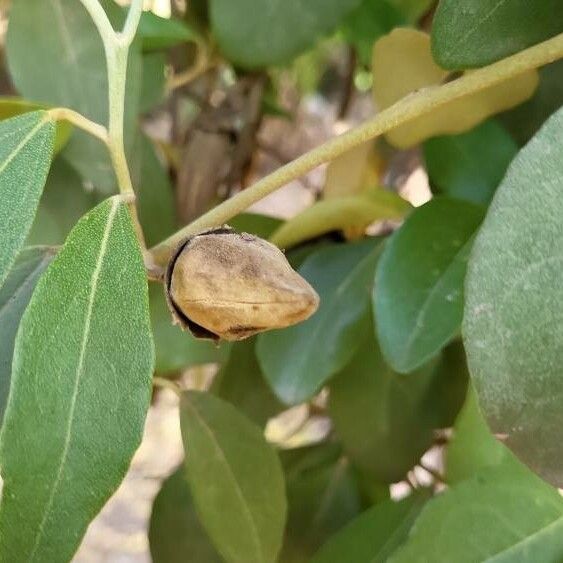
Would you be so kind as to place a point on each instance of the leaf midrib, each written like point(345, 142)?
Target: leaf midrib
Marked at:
point(255, 535)
point(79, 373)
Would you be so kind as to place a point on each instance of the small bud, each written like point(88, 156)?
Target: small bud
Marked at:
point(222, 284)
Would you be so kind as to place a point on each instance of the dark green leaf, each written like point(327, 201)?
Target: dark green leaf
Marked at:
point(175, 349)
point(524, 121)
point(161, 33)
point(14, 297)
point(175, 532)
point(374, 535)
point(273, 31)
point(483, 31)
point(418, 296)
point(470, 166)
point(25, 156)
point(513, 324)
point(63, 202)
point(472, 447)
point(412, 9)
point(367, 23)
point(67, 44)
point(254, 223)
point(504, 514)
point(153, 87)
point(241, 382)
point(81, 387)
point(323, 496)
point(298, 361)
point(385, 420)
point(154, 192)
point(235, 478)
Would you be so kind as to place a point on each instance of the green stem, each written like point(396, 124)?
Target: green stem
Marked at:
point(405, 110)
point(116, 47)
point(77, 119)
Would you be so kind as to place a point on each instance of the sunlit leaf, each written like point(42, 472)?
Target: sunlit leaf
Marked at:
point(10, 107)
point(403, 63)
point(356, 211)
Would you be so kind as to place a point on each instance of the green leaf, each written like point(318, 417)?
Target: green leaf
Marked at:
point(472, 447)
point(25, 156)
point(524, 121)
point(367, 23)
point(153, 87)
point(175, 349)
point(81, 386)
point(323, 497)
point(14, 297)
point(357, 211)
point(484, 31)
point(10, 107)
point(240, 382)
point(64, 201)
point(412, 9)
point(235, 478)
point(470, 166)
point(385, 420)
point(256, 224)
point(504, 514)
point(374, 535)
point(299, 360)
point(175, 532)
point(513, 325)
point(418, 296)
point(162, 33)
point(271, 32)
point(67, 44)
point(154, 193)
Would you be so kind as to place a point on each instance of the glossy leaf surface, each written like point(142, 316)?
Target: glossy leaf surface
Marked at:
point(418, 295)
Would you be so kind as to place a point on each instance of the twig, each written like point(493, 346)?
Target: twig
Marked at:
point(412, 106)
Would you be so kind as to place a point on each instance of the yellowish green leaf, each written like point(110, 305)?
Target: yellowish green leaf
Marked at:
point(354, 171)
point(403, 64)
point(356, 211)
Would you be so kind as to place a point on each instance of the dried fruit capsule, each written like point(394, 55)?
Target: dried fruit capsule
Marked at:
point(223, 284)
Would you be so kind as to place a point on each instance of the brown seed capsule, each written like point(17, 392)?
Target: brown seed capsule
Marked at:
point(222, 284)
